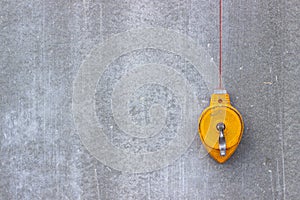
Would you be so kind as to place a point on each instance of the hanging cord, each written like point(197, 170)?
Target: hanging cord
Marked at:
point(220, 46)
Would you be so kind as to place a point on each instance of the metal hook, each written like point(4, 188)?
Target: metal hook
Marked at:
point(222, 142)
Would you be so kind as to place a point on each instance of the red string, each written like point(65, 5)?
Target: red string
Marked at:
point(220, 49)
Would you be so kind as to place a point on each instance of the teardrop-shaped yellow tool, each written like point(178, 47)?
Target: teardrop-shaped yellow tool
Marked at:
point(220, 127)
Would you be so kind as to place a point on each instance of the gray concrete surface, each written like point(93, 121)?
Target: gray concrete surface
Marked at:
point(44, 45)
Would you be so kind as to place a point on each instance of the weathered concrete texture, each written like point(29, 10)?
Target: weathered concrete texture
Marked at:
point(43, 44)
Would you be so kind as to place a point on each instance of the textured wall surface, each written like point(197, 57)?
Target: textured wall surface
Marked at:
point(145, 99)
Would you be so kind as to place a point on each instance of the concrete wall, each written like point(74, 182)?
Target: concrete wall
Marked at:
point(121, 123)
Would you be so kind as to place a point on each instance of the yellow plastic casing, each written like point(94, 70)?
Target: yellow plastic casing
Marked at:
point(220, 110)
